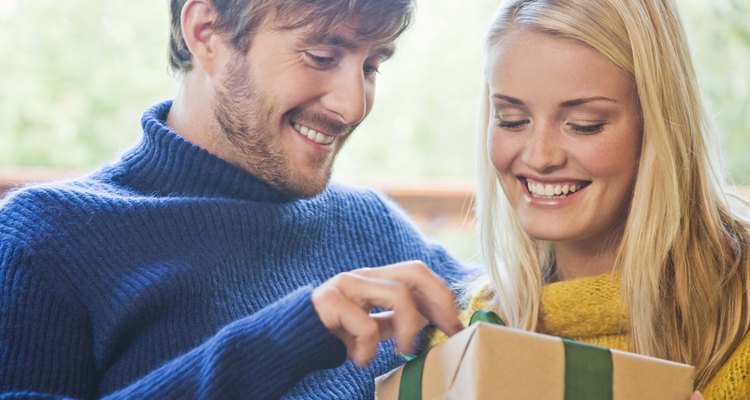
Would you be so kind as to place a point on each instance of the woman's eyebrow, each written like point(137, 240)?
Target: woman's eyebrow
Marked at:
point(509, 99)
point(578, 102)
point(564, 104)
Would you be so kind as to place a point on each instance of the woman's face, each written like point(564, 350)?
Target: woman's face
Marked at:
point(564, 137)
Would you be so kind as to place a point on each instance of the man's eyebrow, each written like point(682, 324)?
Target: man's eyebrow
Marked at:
point(384, 52)
point(335, 40)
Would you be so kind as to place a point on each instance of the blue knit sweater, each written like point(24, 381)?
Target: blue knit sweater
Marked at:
point(172, 274)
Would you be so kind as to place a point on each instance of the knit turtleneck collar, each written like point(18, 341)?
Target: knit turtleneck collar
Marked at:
point(584, 307)
point(166, 164)
point(580, 308)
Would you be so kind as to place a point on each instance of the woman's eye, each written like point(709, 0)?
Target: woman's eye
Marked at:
point(587, 129)
point(511, 125)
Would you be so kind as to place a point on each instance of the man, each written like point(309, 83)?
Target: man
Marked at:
point(186, 269)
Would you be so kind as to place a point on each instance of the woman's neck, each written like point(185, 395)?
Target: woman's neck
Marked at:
point(578, 260)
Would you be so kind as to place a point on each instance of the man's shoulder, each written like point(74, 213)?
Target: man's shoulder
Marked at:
point(371, 207)
point(35, 209)
point(364, 198)
point(359, 194)
point(62, 193)
point(339, 188)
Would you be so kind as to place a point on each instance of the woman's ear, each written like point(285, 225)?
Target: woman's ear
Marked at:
point(198, 20)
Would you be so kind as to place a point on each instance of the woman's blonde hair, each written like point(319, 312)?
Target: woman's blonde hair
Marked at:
point(683, 257)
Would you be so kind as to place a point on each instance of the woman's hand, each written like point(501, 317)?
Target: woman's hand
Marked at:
point(410, 292)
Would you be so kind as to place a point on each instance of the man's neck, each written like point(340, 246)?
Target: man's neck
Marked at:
point(191, 117)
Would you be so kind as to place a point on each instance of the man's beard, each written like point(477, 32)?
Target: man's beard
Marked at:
point(248, 120)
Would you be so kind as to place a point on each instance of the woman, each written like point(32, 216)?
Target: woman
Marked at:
point(600, 210)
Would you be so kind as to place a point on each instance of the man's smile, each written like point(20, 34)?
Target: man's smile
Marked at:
point(312, 134)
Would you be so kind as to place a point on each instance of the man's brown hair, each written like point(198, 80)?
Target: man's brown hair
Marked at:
point(377, 20)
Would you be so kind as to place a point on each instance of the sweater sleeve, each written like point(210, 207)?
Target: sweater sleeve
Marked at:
point(453, 271)
point(46, 350)
point(44, 342)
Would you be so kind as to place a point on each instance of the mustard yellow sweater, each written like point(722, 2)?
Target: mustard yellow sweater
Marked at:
point(590, 310)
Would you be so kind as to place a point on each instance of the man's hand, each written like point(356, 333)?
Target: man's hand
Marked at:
point(410, 292)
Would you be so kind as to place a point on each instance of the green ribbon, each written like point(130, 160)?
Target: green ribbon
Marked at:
point(485, 316)
point(588, 368)
point(411, 379)
point(588, 371)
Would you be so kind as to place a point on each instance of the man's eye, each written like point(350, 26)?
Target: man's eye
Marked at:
point(319, 60)
point(370, 70)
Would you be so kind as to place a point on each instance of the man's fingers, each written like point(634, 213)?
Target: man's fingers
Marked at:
point(432, 297)
point(361, 332)
point(350, 323)
point(369, 292)
point(343, 305)
point(409, 292)
point(388, 325)
point(385, 324)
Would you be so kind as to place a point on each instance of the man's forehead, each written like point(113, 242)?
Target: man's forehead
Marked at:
point(349, 33)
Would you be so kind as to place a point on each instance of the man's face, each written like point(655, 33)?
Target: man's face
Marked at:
point(290, 103)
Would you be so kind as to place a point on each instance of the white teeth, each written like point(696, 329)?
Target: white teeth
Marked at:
point(313, 135)
point(321, 138)
point(552, 191)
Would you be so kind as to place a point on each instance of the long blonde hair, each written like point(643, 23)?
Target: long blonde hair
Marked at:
point(683, 257)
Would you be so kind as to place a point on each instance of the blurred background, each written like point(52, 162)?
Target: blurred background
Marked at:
point(75, 76)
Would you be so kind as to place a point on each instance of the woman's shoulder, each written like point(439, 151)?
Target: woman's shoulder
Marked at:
point(732, 380)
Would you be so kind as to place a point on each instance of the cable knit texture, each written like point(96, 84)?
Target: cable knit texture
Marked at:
point(172, 274)
point(591, 310)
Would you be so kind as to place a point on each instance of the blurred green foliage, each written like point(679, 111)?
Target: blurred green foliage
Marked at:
point(76, 75)
point(720, 39)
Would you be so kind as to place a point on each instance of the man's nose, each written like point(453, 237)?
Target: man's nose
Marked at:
point(348, 96)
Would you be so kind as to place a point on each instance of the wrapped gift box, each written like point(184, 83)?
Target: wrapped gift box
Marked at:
point(487, 361)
